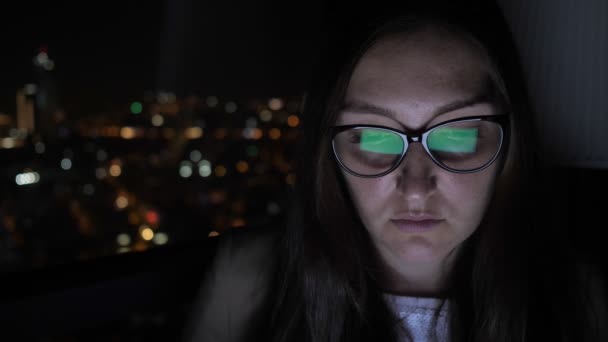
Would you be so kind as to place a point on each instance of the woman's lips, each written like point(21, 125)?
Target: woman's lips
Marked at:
point(416, 225)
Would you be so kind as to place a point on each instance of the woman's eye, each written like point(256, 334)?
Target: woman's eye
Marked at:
point(354, 137)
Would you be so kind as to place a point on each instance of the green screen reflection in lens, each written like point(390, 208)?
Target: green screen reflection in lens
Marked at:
point(379, 141)
point(452, 139)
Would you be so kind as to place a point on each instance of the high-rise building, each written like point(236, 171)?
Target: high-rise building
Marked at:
point(25, 109)
point(46, 95)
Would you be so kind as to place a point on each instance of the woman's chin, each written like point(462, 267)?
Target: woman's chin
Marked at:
point(418, 250)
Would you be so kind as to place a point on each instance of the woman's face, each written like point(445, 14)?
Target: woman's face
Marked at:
point(410, 82)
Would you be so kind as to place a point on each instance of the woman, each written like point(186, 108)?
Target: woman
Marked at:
point(417, 221)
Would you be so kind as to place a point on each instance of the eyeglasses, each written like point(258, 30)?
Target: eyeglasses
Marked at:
point(462, 145)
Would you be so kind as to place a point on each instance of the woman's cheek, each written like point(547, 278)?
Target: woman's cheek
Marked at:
point(469, 195)
point(368, 196)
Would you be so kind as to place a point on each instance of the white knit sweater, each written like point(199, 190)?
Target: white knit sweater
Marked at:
point(423, 319)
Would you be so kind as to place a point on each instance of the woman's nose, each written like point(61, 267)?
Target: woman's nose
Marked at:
point(416, 175)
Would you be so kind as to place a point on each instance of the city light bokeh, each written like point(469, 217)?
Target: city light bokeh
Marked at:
point(161, 169)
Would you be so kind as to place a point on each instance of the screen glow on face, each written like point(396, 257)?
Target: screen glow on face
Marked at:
point(379, 141)
point(453, 139)
point(442, 139)
point(462, 145)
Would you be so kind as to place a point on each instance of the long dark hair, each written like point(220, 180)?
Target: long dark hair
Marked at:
point(515, 280)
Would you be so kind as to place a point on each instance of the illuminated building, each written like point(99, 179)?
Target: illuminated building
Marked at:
point(46, 95)
point(25, 111)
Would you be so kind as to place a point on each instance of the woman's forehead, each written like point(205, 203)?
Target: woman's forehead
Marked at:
point(419, 72)
point(430, 54)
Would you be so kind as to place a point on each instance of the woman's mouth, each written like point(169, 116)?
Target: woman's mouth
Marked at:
point(410, 225)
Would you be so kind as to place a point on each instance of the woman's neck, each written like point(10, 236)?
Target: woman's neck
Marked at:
point(419, 280)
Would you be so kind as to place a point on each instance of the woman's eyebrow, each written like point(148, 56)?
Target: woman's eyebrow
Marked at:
point(362, 107)
point(486, 93)
point(357, 106)
point(481, 98)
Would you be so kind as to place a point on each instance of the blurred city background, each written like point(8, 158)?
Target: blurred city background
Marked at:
point(126, 126)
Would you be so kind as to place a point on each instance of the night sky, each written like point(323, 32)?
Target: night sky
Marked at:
point(100, 49)
point(109, 52)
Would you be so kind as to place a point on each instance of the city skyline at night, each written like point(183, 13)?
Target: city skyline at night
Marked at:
point(125, 126)
point(164, 170)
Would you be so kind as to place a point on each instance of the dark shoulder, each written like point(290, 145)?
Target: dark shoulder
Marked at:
point(247, 245)
point(236, 289)
point(593, 277)
point(593, 284)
